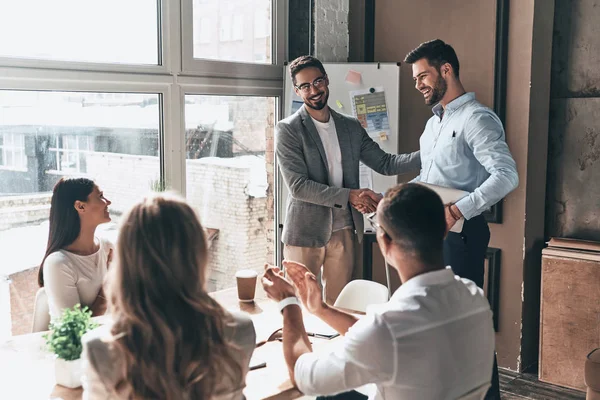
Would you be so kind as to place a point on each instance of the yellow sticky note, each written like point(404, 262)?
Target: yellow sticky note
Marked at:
point(339, 104)
point(382, 136)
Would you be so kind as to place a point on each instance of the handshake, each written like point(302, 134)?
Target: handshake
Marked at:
point(364, 200)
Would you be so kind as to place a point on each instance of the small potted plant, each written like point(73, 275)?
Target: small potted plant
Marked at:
point(64, 340)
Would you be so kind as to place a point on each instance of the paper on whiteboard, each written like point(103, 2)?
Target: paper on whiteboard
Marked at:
point(371, 110)
point(365, 176)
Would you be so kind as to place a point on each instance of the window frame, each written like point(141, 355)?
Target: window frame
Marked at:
point(241, 70)
point(13, 149)
point(178, 75)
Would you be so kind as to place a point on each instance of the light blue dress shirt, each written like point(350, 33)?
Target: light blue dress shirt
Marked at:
point(464, 147)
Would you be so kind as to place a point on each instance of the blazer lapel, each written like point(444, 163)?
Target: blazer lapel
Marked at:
point(312, 131)
point(345, 146)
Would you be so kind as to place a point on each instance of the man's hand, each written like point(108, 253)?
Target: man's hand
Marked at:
point(275, 285)
point(453, 214)
point(364, 200)
point(308, 288)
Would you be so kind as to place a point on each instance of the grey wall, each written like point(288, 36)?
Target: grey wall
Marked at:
point(573, 186)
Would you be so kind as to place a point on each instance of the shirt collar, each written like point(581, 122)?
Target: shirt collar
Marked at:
point(458, 102)
point(438, 277)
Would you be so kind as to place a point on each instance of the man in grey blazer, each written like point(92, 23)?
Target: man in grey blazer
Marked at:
point(318, 151)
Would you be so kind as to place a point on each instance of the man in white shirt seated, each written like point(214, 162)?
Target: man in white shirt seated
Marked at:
point(434, 339)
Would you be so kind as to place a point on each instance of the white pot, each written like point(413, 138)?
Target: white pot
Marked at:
point(68, 373)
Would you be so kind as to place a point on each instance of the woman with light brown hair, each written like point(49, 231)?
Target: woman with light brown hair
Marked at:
point(169, 339)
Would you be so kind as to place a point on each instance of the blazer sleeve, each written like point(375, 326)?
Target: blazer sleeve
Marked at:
point(384, 163)
point(292, 163)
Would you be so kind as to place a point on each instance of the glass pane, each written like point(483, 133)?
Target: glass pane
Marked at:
point(122, 157)
point(227, 179)
point(103, 31)
point(233, 30)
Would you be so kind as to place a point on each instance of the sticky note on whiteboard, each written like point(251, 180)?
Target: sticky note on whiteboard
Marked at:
point(353, 77)
point(339, 104)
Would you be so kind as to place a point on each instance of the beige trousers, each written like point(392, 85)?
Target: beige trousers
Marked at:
point(335, 261)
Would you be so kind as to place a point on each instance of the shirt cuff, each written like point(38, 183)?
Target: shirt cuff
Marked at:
point(467, 207)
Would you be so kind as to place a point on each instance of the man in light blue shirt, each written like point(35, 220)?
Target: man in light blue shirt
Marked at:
point(462, 147)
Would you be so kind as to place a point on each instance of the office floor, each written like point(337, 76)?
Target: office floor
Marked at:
point(514, 386)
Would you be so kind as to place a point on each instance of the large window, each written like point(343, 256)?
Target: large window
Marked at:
point(72, 134)
point(138, 95)
point(102, 31)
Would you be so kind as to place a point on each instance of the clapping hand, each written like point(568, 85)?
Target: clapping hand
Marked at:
point(275, 285)
point(306, 284)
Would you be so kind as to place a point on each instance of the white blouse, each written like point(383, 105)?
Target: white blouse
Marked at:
point(70, 278)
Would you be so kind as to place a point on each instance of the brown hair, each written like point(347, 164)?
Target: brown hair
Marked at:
point(437, 53)
point(303, 62)
point(413, 216)
point(64, 225)
point(170, 331)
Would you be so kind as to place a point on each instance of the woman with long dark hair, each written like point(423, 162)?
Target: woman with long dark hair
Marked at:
point(169, 339)
point(76, 261)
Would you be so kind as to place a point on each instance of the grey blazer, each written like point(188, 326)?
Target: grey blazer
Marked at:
point(303, 164)
point(103, 368)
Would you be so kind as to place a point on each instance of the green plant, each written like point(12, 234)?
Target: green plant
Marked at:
point(64, 338)
point(157, 185)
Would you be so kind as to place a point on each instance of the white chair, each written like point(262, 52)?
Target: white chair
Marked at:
point(476, 394)
point(358, 294)
point(41, 312)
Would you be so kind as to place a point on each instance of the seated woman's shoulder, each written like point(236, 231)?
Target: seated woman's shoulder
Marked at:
point(241, 328)
point(99, 350)
point(106, 243)
point(56, 260)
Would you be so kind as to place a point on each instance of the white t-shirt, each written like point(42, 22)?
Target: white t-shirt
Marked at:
point(342, 219)
point(70, 278)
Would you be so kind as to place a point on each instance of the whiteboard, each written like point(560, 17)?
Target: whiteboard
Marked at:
point(373, 75)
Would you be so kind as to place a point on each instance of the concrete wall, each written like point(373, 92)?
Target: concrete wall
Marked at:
point(573, 192)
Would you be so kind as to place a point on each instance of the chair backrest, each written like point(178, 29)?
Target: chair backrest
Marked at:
point(41, 312)
point(476, 394)
point(358, 294)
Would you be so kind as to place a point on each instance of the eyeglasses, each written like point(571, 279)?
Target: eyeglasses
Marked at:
point(373, 221)
point(317, 83)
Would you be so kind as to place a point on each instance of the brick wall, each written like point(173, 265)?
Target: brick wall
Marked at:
point(22, 210)
point(270, 200)
point(249, 122)
point(230, 195)
point(5, 324)
point(123, 178)
point(23, 287)
point(331, 30)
